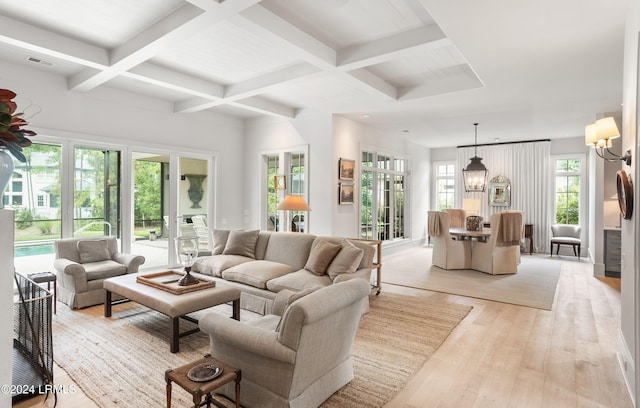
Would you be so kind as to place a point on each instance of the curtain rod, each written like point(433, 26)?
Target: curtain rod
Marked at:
point(505, 143)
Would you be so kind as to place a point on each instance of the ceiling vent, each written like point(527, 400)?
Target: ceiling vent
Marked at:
point(40, 61)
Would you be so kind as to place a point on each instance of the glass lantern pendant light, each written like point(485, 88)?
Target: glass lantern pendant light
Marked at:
point(475, 175)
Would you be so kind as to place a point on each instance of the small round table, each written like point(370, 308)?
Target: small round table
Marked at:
point(199, 389)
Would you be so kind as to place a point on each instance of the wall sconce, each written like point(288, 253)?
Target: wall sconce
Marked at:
point(600, 134)
point(475, 174)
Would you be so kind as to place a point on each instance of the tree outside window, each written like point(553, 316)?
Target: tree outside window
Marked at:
point(567, 197)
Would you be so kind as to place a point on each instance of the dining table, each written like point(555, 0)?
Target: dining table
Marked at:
point(465, 234)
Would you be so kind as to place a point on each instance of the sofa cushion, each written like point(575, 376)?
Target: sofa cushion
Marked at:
point(242, 243)
point(291, 248)
point(220, 237)
point(367, 247)
point(256, 273)
point(95, 250)
point(346, 261)
point(215, 264)
point(103, 269)
point(322, 253)
point(299, 280)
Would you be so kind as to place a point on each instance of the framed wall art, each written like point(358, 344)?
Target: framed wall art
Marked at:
point(345, 193)
point(280, 182)
point(346, 169)
point(500, 192)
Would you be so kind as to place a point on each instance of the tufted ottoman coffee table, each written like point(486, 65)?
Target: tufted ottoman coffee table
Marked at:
point(169, 304)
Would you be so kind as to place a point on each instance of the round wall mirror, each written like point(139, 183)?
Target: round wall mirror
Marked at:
point(625, 194)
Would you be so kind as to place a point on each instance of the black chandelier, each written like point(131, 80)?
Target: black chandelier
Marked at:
point(475, 174)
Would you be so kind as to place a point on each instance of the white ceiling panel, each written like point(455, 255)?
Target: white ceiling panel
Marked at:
point(225, 54)
point(333, 22)
point(102, 23)
point(424, 65)
point(145, 88)
point(431, 67)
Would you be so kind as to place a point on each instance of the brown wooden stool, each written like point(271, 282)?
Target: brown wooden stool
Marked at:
point(199, 389)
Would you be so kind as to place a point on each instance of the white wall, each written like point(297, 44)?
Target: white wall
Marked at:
point(268, 135)
point(349, 138)
point(629, 344)
point(6, 303)
point(329, 139)
point(115, 116)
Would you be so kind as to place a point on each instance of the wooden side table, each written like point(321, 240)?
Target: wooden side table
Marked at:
point(200, 389)
point(528, 233)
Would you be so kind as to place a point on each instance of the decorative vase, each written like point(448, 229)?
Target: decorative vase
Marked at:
point(6, 171)
point(195, 188)
point(474, 223)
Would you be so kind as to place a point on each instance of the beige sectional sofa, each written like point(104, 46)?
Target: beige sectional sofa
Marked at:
point(263, 263)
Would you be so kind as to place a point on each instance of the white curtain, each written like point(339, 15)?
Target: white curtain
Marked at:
point(527, 166)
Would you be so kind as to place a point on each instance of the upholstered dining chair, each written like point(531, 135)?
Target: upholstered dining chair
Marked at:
point(447, 252)
point(565, 234)
point(458, 217)
point(501, 253)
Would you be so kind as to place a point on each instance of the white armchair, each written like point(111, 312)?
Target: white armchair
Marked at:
point(565, 234)
point(302, 363)
point(501, 253)
point(82, 264)
point(447, 252)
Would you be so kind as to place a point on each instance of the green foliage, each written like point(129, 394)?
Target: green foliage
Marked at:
point(147, 197)
point(23, 218)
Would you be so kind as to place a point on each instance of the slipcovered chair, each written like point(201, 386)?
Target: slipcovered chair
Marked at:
point(458, 217)
point(501, 253)
point(82, 264)
point(565, 234)
point(447, 252)
point(299, 359)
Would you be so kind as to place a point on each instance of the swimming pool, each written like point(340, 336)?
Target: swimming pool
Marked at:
point(33, 249)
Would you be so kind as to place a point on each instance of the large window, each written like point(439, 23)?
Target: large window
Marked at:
point(567, 190)
point(383, 188)
point(290, 166)
point(445, 185)
point(273, 164)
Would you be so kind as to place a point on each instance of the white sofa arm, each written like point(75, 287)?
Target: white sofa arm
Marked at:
point(72, 273)
point(245, 338)
point(363, 273)
point(132, 262)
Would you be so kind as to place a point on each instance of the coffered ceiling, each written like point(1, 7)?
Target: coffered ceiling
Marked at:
point(422, 69)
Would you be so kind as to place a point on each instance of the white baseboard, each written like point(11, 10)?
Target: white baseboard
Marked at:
point(627, 365)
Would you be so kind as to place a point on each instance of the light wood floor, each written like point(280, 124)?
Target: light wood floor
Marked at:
point(503, 355)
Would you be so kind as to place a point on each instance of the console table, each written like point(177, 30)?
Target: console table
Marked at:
point(528, 234)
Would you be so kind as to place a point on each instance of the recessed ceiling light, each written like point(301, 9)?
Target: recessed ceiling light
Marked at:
point(365, 116)
point(497, 139)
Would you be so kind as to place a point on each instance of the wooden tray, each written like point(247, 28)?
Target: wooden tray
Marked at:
point(168, 281)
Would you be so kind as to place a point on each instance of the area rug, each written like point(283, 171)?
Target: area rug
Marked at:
point(120, 361)
point(533, 286)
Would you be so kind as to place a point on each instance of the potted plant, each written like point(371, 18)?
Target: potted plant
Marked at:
point(12, 137)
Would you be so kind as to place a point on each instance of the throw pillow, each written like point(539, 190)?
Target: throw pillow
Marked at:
point(219, 241)
point(346, 261)
point(321, 256)
point(93, 250)
point(242, 243)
